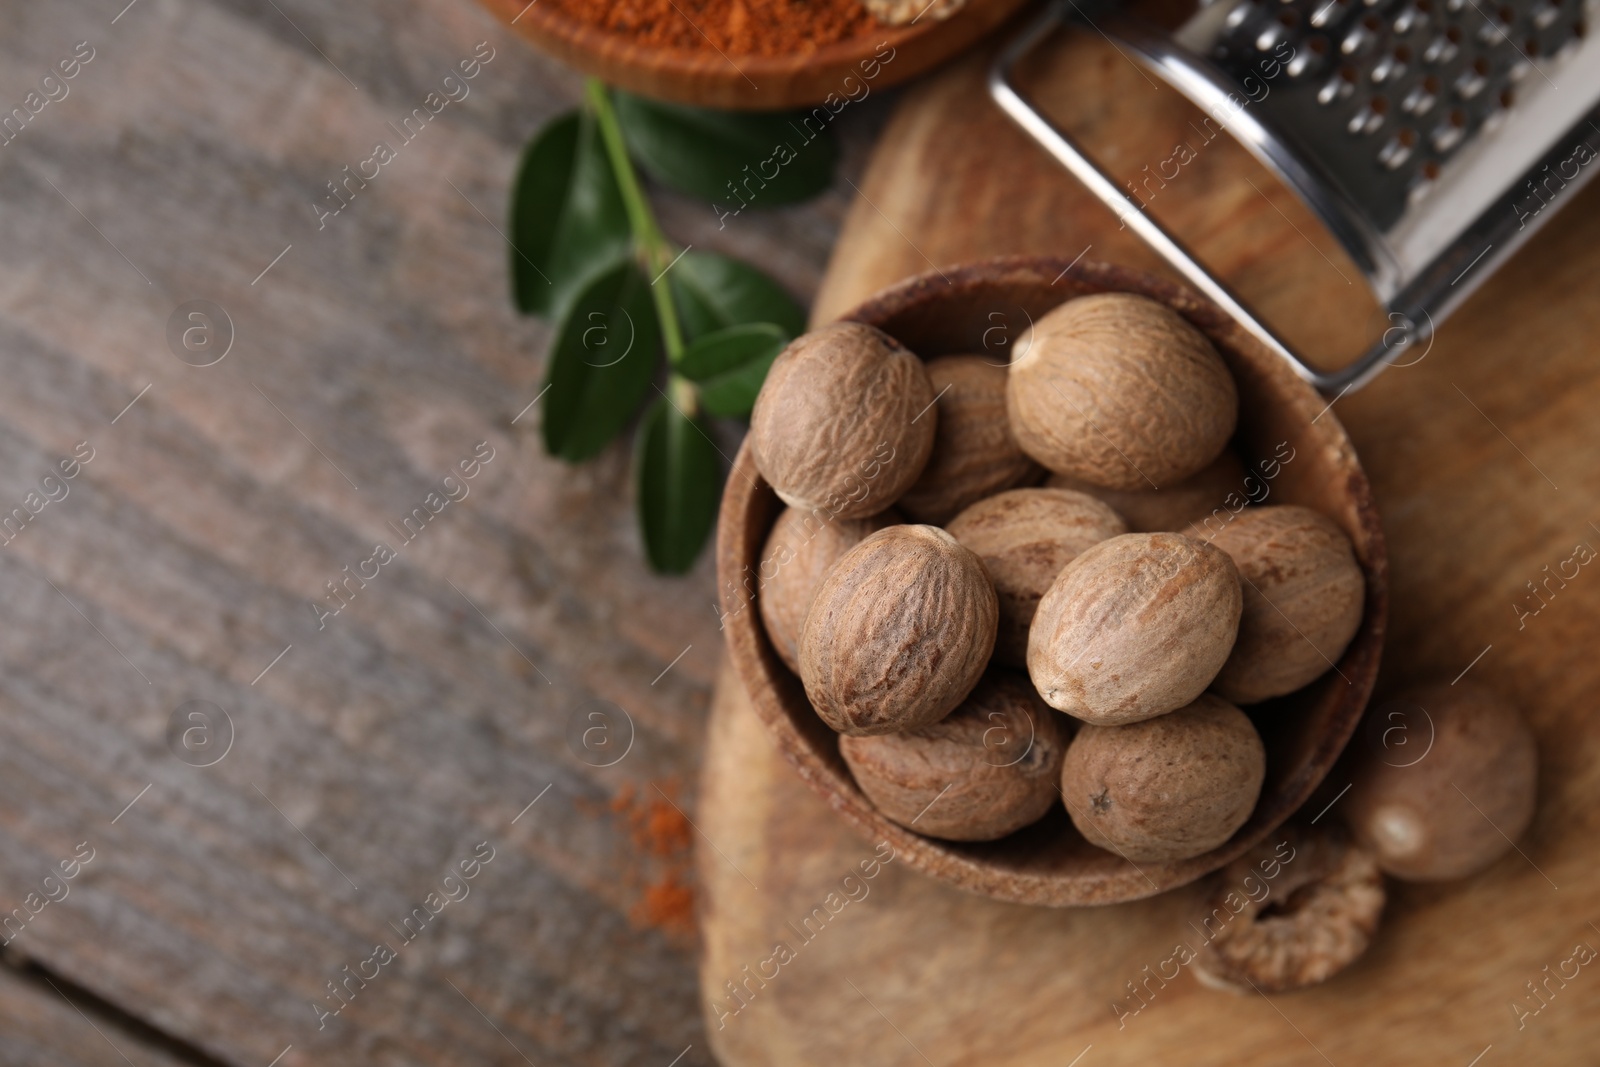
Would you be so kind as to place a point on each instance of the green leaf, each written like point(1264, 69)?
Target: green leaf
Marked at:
point(567, 219)
point(729, 366)
point(718, 353)
point(714, 292)
point(733, 158)
point(679, 482)
point(601, 364)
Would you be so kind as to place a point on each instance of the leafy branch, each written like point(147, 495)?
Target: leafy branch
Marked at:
point(588, 254)
point(647, 235)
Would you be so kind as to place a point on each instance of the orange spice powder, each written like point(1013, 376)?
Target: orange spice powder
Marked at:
point(735, 27)
point(666, 905)
point(660, 866)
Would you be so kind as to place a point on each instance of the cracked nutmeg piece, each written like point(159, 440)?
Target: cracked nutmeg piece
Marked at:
point(904, 12)
point(1295, 910)
point(1134, 627)
point(1303, 597)
point(1122, 392)
point(1025, 537)
point(845, 421)
point(1445, 781)
point(899, 633)
point(988, 768)
point(1167, 788)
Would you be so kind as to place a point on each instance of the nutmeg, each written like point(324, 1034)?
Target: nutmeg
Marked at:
point(1444, 780)
point(1167, 788)
point(1121, 392)
point(844, 422)
point(1025, 537)
point(1303, 596)
point(899, 632)
point(974, 453)
point(801, 548)
point(1177, 505)
point(990, 767)
point(1293, 911)
point(1134, 627)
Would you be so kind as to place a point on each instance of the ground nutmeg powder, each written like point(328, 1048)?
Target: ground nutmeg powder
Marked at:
point(734, 27)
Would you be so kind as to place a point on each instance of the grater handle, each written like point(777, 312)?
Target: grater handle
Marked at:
point(1130, 212)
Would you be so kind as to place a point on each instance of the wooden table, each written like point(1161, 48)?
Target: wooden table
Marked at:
point(1485, 459)
point(372, 751)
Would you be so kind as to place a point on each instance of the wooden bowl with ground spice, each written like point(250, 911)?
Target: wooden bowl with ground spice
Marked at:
point(1049, 862)
point(757, 55)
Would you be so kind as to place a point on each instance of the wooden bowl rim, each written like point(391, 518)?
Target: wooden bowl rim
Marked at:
point(754, 659)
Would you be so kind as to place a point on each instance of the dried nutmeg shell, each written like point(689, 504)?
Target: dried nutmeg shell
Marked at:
point(1025, 537)
point(974, 453)
point(1167, 788)
point(899, 633)
point(903, 12)
point(1134, 627)
point(1172, 507)
point(801, 548)
point(843, 423)
point(1121, 392)
point(1294, 911)
point(1303, 595)
point(1444, 783)
point(988, 768)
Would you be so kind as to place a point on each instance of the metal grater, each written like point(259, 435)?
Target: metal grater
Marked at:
point(1431, 137)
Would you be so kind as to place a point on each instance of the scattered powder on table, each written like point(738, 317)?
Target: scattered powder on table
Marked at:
point(736, 27)
point(660, 866)
point(667, 905)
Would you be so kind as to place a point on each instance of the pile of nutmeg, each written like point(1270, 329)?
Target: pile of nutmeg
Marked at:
point(921, 568)
point(942, 607)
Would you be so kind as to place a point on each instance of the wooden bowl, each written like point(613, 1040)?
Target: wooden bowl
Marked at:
point(1049, 862)
point(707, 78)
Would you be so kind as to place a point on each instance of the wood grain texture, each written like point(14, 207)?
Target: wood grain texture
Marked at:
point(370, 356)
point(43, 1025)
point(1483, 459)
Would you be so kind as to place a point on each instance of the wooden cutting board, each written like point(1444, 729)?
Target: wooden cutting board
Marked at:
point(1483, 457)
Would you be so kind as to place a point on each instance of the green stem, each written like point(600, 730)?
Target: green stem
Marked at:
point(683, 394)
point(652, 244)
